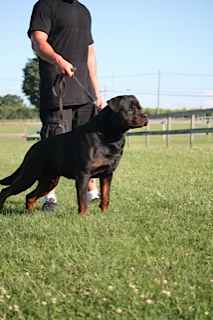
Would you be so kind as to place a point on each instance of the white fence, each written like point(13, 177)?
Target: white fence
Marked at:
point(166, 121)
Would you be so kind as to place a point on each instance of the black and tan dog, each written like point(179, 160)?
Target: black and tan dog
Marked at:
point(92, 150)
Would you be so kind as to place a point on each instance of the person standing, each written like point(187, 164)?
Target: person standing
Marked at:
point(60, 33)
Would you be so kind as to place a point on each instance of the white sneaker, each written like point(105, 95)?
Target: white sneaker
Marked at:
point(93, 195)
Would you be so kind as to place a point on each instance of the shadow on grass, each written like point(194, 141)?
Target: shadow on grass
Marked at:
point(17, 208)
point(12, 209)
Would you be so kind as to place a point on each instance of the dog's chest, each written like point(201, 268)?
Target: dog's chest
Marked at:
point(106, 160)
point(104, 166)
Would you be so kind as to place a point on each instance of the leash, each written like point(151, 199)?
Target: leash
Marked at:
point(84, 89)
point(62, 91)
point(60, 95)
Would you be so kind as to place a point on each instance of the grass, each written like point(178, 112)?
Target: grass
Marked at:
point(149, 258)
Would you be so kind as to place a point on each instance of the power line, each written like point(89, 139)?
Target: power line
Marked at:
point(128, 75)
point(156, 74)
point(170, 94)
point(187, 74)
point(135, 75)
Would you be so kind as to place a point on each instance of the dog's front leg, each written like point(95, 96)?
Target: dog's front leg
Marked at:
point(105, 183)
point(81, 183)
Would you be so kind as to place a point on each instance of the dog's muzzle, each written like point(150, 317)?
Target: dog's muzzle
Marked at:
point(144, 119)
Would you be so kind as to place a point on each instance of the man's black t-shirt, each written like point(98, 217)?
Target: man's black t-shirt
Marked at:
point(68, 25)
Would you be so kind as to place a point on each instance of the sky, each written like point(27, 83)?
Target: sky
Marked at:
point(161, 51)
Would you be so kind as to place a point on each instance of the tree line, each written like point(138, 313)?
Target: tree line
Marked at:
point(13, 106)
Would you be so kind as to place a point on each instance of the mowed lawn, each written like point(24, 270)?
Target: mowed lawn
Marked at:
point(150, 257)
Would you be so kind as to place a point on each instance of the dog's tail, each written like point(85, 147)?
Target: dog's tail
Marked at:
point(9, 180)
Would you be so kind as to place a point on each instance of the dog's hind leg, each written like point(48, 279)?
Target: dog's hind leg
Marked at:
point(5, 193)
point(45, 185)
point(18, 186)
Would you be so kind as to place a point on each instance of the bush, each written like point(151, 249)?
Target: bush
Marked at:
point(18, 112)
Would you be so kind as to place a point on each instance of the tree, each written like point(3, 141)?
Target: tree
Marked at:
point(10, 100)
point(30, 85)
point(18, 112)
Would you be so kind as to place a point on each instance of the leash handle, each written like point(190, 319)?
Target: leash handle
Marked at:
point(62, 91)
point(61, 85)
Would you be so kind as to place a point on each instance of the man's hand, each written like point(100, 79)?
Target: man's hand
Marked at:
point(99, 101)
point(64, 68)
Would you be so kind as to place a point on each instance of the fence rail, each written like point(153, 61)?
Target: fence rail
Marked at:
point(181, 114)
point(168, 132)
point(166, 118)
point(26, 135)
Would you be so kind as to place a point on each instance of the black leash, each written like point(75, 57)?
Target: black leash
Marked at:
point(62, 91)
point(85, 90)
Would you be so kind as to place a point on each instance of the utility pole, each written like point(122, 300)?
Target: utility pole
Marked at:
point(113, 82)
point(105, 93)
point(158, 101)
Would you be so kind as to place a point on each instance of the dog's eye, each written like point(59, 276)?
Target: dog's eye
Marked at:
point(131, 109)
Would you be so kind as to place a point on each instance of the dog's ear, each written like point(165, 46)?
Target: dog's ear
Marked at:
point(114, 103)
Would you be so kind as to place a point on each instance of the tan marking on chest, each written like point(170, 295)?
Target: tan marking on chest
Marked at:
point(100, 163)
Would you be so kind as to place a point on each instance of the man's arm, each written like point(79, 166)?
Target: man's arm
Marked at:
point(46, 53)
point(92, 65)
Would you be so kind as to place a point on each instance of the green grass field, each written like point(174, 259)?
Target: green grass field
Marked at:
point(150, 257)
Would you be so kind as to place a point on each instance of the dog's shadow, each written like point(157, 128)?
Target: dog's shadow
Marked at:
point(13, 208)
point(16, 207)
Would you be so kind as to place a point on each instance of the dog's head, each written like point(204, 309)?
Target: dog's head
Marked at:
point(127, 112)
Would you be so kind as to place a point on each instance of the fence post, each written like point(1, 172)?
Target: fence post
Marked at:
point(169, 125)
point(25, 133)
point(163, 129)
point(209, 126)
point(192, 125)
point(147, 135)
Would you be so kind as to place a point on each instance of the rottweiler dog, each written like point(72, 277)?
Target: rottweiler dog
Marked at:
point(92, 150)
